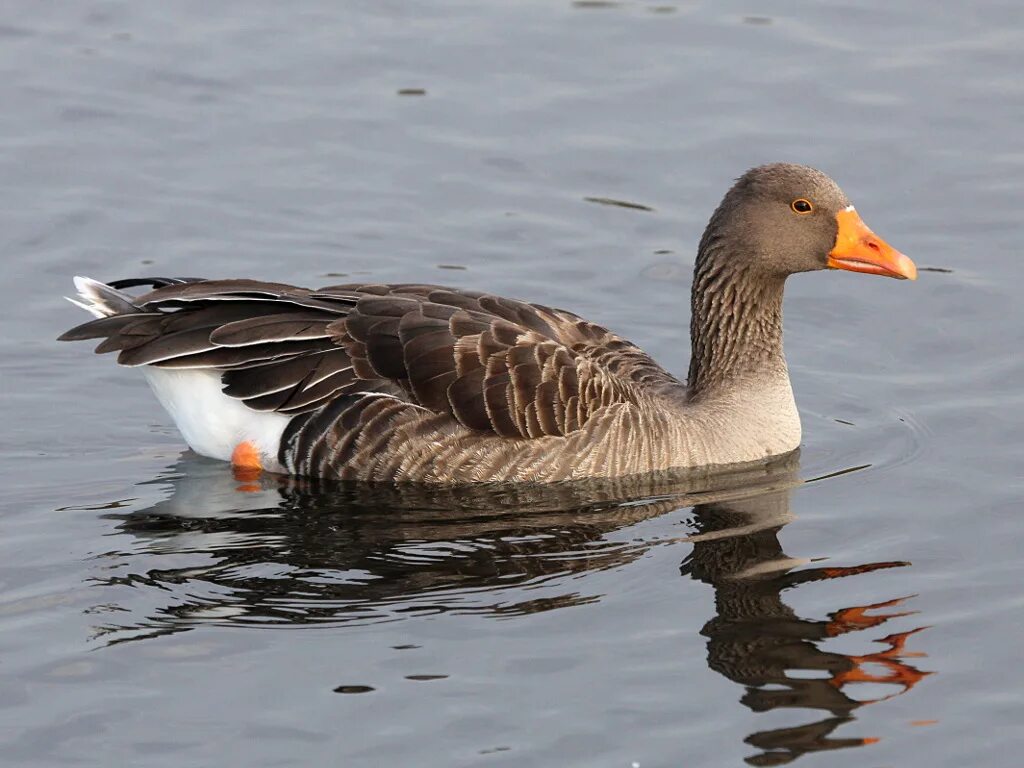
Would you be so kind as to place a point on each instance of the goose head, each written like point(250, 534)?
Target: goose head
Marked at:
point(780, 219)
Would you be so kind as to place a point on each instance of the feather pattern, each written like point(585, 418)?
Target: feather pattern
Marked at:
point(420, 382)
point(373, 373)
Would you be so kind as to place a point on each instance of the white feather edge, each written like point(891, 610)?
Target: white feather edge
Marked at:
point(97, 313)
point(91, 298)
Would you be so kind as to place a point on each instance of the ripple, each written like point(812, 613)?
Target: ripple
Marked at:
point(300, 553)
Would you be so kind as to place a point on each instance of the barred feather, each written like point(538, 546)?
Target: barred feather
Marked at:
point(365, 371)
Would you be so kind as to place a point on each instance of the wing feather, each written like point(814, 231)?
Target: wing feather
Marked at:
point(492, 364)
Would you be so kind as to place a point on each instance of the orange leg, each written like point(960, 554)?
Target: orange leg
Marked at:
point(856, 618)
point(897, 672)
point(246, 466)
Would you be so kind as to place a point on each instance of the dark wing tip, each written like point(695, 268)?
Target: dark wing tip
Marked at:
point(153, 282)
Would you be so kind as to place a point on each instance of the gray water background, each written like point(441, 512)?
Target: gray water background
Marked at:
point(153, 614)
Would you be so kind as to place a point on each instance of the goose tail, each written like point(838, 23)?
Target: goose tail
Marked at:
point(101, 300)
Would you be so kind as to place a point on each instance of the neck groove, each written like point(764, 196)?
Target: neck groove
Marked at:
point(735, 323)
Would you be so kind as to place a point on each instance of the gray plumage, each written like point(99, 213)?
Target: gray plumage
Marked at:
point(435, 384)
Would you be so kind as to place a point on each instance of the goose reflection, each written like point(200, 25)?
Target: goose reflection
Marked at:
point(276, 551)
point(758, 641)
point(273, 549)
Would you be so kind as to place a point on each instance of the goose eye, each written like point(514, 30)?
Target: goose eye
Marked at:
point(801, 206)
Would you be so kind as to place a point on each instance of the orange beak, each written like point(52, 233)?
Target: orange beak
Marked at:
point(858, 249)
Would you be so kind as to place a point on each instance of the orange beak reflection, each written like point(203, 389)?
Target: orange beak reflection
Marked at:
point(858, 249)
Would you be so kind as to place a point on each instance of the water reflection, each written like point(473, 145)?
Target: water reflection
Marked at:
point(758, 641)
point(283, 552)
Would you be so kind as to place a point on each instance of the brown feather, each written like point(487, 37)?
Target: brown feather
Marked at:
point(286, 326)
point(168, 346)
point(533, 427)
point(309, 368)
point(358, 326)
point(488, 347)
point(237, 357)
point(102, 327)
point(505, 333)
point(466, 400)
point(353, 363)
point(544, 405)
point(463, 323)
point(311, 396)
point(496, 400)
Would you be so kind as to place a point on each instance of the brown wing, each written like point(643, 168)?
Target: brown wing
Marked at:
point(495, 365)
point(269, 340)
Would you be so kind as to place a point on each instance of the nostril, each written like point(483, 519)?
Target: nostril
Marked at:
point(873, 245)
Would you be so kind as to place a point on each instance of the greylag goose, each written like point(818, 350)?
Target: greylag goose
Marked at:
point(409, 382)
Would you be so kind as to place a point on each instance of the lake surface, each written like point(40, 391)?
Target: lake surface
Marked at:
point(155, 612)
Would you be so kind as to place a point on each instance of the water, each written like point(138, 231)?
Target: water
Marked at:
point(153, 614)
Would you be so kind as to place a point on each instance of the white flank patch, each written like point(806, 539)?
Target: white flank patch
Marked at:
point(212, 423)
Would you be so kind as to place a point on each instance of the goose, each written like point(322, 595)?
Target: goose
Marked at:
point(424, 383)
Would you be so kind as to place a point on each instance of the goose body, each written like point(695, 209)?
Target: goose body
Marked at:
point(425, 383)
